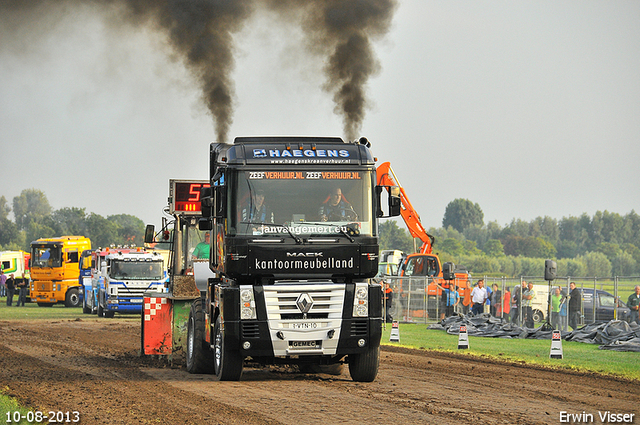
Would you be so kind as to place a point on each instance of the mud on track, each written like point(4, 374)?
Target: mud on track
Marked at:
point(92, 366)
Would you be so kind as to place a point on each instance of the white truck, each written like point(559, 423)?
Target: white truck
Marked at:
point(125, 275)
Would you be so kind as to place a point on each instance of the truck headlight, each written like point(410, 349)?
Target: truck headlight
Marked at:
point(361, 300)
point(247, 303)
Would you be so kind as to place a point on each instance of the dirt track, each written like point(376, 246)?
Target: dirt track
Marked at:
point(92, 366)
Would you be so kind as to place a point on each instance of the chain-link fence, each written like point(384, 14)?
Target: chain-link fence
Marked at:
point(420, 299)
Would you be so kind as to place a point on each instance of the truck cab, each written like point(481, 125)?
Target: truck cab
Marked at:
point(124, 276)
point(55, 270)
point(293, 224)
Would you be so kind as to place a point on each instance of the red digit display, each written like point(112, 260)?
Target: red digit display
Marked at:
point(186, 195)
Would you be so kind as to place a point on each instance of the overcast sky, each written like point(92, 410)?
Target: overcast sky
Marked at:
point(528, 108)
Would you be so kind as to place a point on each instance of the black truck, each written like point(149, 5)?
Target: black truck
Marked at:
point(293, 248)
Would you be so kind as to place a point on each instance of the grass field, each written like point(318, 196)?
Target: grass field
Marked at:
point(576, 355)
point(31, 311)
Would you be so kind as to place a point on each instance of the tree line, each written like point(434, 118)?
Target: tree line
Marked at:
point(604, 245)
point(34, 218)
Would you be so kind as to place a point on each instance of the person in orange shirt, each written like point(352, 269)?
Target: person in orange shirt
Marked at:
point(506, 305)
point(466, 299)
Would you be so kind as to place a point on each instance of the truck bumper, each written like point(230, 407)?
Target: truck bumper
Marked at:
point(279, 334)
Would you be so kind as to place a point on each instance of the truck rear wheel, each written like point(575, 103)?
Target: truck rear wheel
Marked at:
point(364, 367)
point(199, 355)
point(227, 363)
point(72, 298)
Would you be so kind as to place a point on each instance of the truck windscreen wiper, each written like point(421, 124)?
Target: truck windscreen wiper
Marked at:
point(284, 226)
point(346, 230)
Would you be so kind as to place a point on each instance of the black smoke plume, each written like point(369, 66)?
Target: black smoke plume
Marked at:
point(200, 32)
point(342, 31)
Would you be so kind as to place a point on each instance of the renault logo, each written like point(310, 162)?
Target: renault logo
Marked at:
point(304, 303)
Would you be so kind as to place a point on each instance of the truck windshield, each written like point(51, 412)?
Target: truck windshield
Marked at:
point(136, 270)
point(309, 203)
point(46, 256)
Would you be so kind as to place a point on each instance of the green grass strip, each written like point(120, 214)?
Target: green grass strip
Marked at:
point(10, 410)
point(576, 355)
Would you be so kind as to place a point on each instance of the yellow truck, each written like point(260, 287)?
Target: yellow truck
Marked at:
point(55, 270)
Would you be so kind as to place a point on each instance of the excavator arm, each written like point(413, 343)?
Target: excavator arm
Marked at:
point(386, 177)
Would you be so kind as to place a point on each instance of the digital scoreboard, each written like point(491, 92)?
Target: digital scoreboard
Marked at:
point(184, 196)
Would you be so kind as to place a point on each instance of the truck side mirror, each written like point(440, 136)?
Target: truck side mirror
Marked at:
point(149, 233)
point(220, 196)
point(205, 224)
point(394, 201)
point(206, 201)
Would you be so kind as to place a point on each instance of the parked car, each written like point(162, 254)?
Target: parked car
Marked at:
point(605, 304)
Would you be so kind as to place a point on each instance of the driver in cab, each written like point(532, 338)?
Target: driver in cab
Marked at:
point(336, 208)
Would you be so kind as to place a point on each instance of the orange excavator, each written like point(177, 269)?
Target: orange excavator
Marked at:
point(424, 262)
point(386, 177)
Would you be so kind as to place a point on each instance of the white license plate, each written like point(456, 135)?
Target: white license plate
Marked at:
point(304, 344)
point(306, 325)
point(136, 300)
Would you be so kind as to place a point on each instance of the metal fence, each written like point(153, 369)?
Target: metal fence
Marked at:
point(419, 299)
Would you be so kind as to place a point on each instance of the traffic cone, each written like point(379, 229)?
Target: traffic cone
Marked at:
point(463, 338)
point(556, 345)
point(395, 332)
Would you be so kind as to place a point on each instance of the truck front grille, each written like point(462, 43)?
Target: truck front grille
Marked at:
point(133, 290)
point(326, 301)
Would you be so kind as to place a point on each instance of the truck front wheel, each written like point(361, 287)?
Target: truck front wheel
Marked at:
point(199, 355)
point(72, 298)
point(363, 367)
point(100, 310)
point(86, 309)
point(227, 363)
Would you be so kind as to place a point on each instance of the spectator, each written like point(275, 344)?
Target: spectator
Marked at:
point(516, 302)
point(487, 303)
point(527, 305)
point(478, 297)
point(388, 299)
point(452, 298)
point(575, 306)
point(496, 301)
point(633, 302)
point(11, 287)
point(556, 299)
point(563, 312)
point(3, 287)
point(506, 305)
point(466, 298)
point(23, 287)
